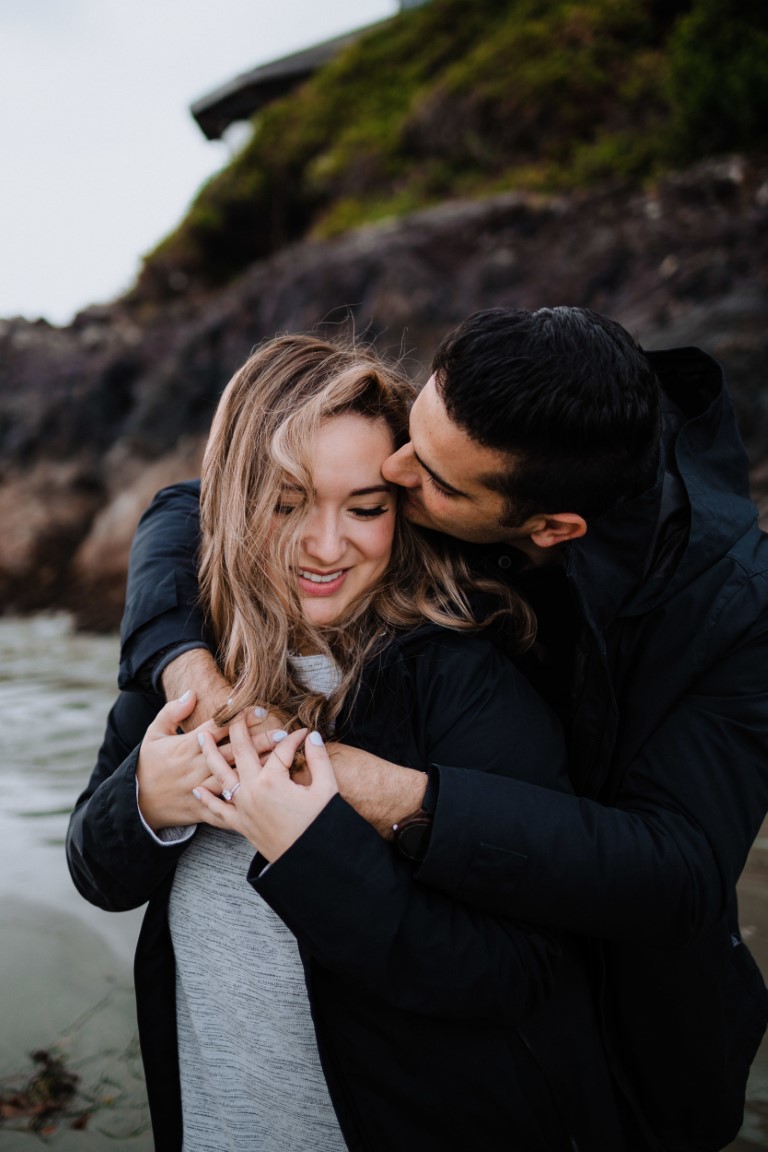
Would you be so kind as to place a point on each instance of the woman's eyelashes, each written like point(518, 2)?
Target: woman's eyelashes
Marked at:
point(369, 513)
point(284, 509)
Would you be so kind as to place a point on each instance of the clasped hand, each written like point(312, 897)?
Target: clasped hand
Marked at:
point(269, 808)
point(181, 777)
point(171, 763)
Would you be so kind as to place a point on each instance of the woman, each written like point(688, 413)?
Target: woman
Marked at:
point(402, 1020)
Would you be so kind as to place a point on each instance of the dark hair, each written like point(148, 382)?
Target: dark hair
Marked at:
point(567, 393)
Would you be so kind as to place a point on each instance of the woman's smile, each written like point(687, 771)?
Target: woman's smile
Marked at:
point(314, 583)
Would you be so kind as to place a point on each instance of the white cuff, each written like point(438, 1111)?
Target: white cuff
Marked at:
point(166, 836)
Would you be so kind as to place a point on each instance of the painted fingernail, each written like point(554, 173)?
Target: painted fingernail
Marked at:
point(201, 739)
point(197, 793)
point(278, 735)
point(315, 738)
point(260, 713)
point(183, 699)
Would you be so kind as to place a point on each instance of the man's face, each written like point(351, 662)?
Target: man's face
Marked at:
point(443, 471)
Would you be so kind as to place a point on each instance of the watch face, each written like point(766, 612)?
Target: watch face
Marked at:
point(411, 840)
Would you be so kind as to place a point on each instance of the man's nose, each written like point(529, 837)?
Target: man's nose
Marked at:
point(401, 467)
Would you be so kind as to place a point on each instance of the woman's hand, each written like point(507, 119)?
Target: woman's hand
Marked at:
point(266, 806)
point(171, 765)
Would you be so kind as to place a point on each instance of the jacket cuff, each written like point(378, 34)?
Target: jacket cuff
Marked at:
point(459, 859)
point(314, 842)
point(167, 656)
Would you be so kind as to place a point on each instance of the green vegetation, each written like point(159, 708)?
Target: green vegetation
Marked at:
point(468, 97)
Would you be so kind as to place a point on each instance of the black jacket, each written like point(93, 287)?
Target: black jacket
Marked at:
point(438, 1026)
point(666, 601)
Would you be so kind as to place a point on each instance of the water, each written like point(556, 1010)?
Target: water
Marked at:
point(65, 967)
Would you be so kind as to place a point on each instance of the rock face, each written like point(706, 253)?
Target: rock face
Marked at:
point(96, 416)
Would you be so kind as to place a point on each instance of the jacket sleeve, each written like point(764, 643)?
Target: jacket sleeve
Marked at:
point(161, 606)
point(353, 902)
point(659, 865)
point(114, 861)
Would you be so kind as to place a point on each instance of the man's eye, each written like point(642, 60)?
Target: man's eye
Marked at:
point(369, 513)
point(438, 487)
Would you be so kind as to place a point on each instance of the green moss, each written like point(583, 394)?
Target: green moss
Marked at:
point(465, 97)
point(718, 78)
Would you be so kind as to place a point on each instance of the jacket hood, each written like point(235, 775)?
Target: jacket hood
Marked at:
point(642, 551)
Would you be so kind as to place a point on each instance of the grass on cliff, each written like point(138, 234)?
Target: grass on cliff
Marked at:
point(469, 97)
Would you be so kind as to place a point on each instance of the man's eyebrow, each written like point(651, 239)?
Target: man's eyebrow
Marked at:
point(438, 478)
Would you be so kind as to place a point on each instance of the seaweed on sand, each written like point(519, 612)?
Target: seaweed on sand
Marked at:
point(45, 1098)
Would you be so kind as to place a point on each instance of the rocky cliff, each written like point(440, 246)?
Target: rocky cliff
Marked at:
point(96, 416)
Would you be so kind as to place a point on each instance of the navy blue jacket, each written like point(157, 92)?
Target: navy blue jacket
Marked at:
point(438, 1026)
point(668, 753)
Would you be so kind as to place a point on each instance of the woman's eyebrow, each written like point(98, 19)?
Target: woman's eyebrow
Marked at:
point(374, 488)
point(370, 491)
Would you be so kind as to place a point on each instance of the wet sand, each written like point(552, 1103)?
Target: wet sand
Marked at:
point(66, 992)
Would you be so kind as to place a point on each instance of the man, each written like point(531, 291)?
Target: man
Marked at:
point(611, 486)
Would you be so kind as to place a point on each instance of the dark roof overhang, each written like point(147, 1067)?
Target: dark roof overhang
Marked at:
point(243, 96)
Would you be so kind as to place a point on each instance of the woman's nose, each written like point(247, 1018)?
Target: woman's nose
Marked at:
point(323, 540)
point(401, 467)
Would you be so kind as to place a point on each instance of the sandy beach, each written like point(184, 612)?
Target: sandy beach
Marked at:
point(67, 993)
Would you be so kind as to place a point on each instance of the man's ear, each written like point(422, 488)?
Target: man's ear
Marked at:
point(557, 528)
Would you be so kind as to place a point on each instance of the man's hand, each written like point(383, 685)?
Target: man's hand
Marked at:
point(266, 806)
point(197, 671)
point(381, 792)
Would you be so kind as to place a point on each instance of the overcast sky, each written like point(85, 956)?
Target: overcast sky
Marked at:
point(100, 156)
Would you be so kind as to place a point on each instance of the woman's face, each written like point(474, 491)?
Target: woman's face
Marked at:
point(347, 535)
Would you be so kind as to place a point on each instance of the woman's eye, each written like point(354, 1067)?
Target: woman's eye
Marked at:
point(369, 513)
point(284, 509)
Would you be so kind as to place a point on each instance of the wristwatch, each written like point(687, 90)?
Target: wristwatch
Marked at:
point(410, 835)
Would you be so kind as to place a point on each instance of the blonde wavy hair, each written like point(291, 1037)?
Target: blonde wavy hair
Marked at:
point(260, 440)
